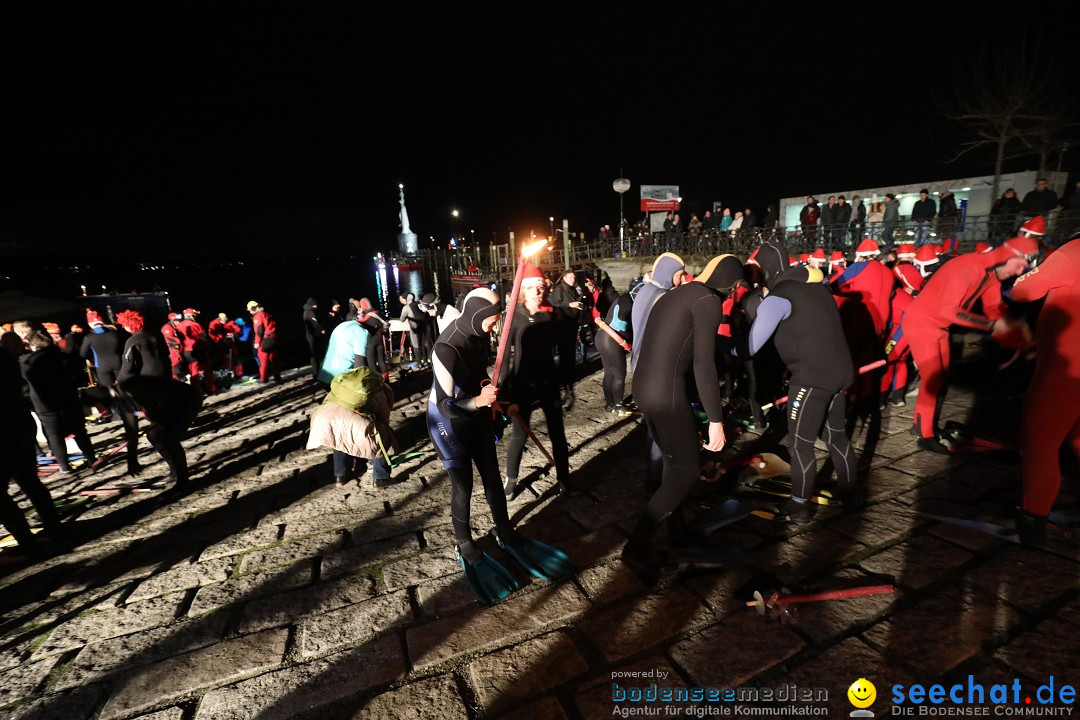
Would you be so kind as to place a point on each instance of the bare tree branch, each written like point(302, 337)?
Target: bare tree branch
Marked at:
point(1013, 102)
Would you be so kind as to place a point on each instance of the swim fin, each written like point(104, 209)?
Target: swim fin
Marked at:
point(540, 559)
point(718, 516)
point(488, 579)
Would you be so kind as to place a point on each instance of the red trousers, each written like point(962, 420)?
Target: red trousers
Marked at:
point(896, 372)
point(202, 376)
point(268, 365)
point(1051, 415)
point(930, 349)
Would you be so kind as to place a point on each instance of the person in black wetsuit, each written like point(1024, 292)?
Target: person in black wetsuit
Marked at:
point(461, 426)
point(145, 355)
point(531, 377)
point(567, 299)
point(104, 347)
point(315, 334)
point(459, 416)
point(170, 407)
point(412, 315)
point(428, 307)
point(678, 351)
point(799, 313)
point(18, 459)
point(376, 327)
point(55, 399)
point(613, 351)
point(668, 271)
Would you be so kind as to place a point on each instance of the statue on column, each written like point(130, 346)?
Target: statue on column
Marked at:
point(407, 243)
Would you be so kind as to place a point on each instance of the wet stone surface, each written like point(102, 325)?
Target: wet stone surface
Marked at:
point(269, 592)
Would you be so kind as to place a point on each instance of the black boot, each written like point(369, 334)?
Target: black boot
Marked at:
point(1031, 528)
point(850, 497)
point(796, 512)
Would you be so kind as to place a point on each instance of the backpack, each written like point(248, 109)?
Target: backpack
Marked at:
point(354, 388)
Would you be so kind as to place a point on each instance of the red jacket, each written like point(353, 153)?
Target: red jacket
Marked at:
point(870, 283)
point(216, 330)
point(173, 341)
point(263, 326)
point(1058, 280)
point(950, 294)
point(191, 333)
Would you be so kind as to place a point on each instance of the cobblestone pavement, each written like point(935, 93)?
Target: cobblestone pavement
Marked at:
point(271, 593)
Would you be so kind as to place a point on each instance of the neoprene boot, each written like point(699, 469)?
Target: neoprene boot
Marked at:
point(850, 497)
point(934, 445)
point(796, 512)
point(1031, 528)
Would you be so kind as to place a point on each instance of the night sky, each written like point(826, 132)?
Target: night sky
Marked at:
point(185, 128)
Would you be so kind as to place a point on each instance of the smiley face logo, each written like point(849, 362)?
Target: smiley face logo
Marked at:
point(862, 693)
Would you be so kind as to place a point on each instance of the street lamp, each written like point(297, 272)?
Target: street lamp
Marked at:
point(620, 186)
point(552, 221)
point(454, 215)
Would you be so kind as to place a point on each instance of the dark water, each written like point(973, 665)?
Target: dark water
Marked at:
point(281, 286)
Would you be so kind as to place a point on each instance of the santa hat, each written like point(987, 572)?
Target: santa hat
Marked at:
point(906, 251)
point(93, 319)
point(925, 256)
point(792, 261)
point(174, 316)
point(981, 247)
point(753, 257)
point(190, 313)
point(939, 249)
point(837, 257)
point(909, 277)
point(531, 272)
point(804, 257)
point(1034, 226)
point(1022, 246)
point(818, 254)
point(867, 248)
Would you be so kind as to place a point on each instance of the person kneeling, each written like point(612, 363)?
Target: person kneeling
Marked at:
point(354, 422)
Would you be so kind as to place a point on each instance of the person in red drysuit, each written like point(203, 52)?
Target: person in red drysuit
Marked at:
point(196, 352)
point(863, 294)
point(223, 332)
point(837, 265)
point(175, 343)
point(265, 343)
point(909, 282)
point(949, 298)
point(870, 283)
point(1052, 404)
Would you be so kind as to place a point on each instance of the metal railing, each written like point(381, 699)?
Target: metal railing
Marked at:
point(990, 229)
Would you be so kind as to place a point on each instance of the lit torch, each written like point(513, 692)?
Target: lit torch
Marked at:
point(508, 315)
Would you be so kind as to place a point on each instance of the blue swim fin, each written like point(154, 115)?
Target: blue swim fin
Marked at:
point(540, 559)
point(488, 579)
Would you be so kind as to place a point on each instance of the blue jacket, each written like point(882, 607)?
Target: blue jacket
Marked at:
point(348, 340)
